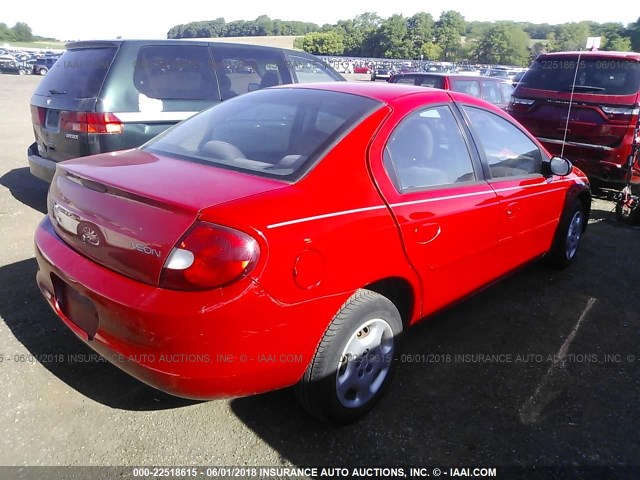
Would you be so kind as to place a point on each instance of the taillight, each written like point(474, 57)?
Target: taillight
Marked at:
point(209, 256)
point(520, 104)
point(90, 122)
point(620, 113)
point(38, 115)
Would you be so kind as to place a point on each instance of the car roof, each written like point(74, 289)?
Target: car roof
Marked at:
point(452, 75)
point(178, 41)
point(384, 92)
point(596, 53)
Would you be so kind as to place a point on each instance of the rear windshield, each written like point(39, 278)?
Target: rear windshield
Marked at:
point(604, 76)
point(276, 133)
point(79, 73)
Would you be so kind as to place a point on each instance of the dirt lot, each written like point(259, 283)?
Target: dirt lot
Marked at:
point(477, 385)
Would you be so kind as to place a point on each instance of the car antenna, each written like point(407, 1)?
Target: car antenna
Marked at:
point(573, 87)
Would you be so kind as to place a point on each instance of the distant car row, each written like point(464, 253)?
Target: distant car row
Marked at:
point(31, 66)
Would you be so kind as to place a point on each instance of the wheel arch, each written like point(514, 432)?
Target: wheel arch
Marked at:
point(400, 292)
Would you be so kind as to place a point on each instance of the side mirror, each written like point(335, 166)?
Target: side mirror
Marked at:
point(557, 166)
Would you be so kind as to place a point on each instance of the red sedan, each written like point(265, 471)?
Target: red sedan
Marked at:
point(289, 236)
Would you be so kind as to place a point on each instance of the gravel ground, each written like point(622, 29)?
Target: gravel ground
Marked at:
point(477, 384)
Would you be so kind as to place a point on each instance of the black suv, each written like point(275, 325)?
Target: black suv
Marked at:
point(43, 65)
point(103, 96)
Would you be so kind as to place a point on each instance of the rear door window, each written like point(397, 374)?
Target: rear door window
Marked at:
point(175, 72)
point(471, 87)
point(79, 73)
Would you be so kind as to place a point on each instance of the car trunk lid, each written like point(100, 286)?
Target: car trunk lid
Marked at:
point(126, 211)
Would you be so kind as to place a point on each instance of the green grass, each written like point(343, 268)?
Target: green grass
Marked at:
point(42, 45)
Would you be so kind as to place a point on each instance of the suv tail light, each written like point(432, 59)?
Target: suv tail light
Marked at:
point(620, 113)
point(90, 122)
point(520, 104)
point(209, 256)
point(38, 115)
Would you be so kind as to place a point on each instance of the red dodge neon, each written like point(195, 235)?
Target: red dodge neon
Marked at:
point(290, 235)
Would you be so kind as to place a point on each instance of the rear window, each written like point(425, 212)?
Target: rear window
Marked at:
point(79, 73)
point(605, 76)
point(434, 81)
point(277, 133)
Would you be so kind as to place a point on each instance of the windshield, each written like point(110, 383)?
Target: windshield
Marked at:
point(604, 76)
point(277, 132)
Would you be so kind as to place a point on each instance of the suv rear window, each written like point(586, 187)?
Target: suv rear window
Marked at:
point(273, 132)
point(79, 73)
point(605, 76)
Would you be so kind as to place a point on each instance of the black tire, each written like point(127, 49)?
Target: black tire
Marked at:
point(339, 385)
point(42, 71)
point(567, 239)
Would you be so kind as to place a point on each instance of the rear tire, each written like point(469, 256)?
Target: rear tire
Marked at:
point(355, 360)
point(568, 236)
point(42, 71)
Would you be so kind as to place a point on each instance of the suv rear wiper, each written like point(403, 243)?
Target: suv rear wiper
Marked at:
point(56, 92)
point(586, 88)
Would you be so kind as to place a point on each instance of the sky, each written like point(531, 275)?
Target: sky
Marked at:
point(135, 19)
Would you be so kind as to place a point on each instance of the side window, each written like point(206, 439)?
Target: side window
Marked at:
point(427, 149)
point(175, 72)
point(471, 87)
point(410, 80)
point(490, 92)
point(244, 69)
point(508, 151)
point(309, 71)
point(507, 91)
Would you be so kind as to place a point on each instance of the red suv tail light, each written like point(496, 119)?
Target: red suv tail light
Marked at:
point(209, 256)
point(520, 104)
point(90, 122)
point(624, 114)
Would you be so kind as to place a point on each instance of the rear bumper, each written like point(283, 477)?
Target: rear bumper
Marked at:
point(40, 167)
point(229, 342)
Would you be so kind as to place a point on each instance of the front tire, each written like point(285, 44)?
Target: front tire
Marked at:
point(355, 360)
point(568, 236)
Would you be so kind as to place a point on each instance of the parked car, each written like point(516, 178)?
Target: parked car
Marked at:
point(491, 89)
point(383, 73)
point(361, 69)
point(585, 106)
point(213, 262)
point(104, 96)
point(8, 64)
point(43, 65)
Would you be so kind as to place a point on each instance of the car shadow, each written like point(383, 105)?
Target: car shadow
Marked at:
point(473, 385)
point(56, 348)
point(26, 188)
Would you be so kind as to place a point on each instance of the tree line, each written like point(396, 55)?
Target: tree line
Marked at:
point(20, 32)
point(421, 36)
point(261, 26)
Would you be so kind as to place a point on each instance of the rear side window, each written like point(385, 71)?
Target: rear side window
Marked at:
point(308, 70)
point(606, 76)
point(427, 149)
point(79, 73)
point(175, 72)
point(406, 79)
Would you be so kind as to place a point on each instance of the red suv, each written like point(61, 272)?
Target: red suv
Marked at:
point(584, 106)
